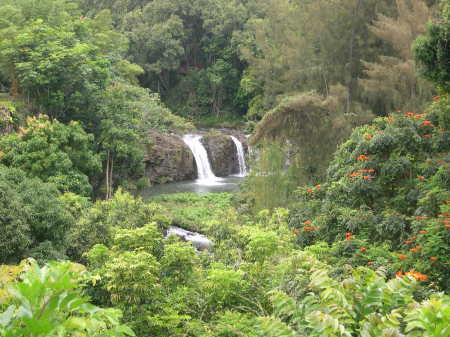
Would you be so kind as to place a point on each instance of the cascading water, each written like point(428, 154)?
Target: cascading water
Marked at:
point(241, 156)
point(205, 174)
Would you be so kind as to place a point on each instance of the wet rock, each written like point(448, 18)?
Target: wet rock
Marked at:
point(221, 153)
point(168, 159)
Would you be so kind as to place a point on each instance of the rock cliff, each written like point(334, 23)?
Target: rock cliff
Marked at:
point(168, 159)
point(221, 153)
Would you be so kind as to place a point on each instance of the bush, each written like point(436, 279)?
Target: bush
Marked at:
point(48, 301)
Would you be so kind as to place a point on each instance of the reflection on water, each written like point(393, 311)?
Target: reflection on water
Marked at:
point(228, 184)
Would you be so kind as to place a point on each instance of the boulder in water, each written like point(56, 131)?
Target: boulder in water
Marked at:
point(199, 241)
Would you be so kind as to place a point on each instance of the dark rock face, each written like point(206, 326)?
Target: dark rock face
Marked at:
point(169, 159)
point(221, 153)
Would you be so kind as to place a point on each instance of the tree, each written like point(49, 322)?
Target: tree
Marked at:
point(296, 46)
point(311, 126)
point(64, 88)
point(393, 81)
point(54, 152)
point(127, 113)
point(432, 50)
point(34, 220)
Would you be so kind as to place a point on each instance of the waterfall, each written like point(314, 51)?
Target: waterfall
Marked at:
point(240, 155)
point(205, 174)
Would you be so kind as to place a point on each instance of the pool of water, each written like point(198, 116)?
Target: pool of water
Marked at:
point(227, 184)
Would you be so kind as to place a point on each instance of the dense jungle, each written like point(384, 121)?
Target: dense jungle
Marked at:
point(225, 168)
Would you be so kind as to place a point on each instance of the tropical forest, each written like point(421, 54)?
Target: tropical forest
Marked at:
point(224, 168)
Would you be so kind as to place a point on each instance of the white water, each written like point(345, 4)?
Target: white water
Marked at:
point(199, 241)
point(241, 156)
point(205, 174)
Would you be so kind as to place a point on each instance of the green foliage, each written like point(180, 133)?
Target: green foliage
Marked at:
point(359, 305)
point(187, 53)
point(127, 113)
point(54, 152)
point(98, 222)
point(63, 88)
point(270, 183)
point(431, 50)
point(313, 126)
point(387, 187)
point(132, 277)
point(193, 211)
point(33, 221)
point(48, 301)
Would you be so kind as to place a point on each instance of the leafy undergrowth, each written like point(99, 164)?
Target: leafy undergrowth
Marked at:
point(192, 211)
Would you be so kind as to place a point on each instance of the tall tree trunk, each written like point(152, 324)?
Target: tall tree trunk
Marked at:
point(107, 176)
point(111, 178)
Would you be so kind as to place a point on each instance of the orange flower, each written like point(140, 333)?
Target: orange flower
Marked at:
point(448, 226)
point(447, 201)
point(371, 171)
point(309, 190)
point(317, 188)
point(427, 136)
point(362, 157)
point(413, 237)
point(370, 263)
point(368, 136)
point(367, 177)
point(434, 258)
point(423, 232)
point(390, 120)
point(401, 256)
point(348, 236)
point(351, 175)
point(421, 178)
point(307, 223)
point(363, 249)
point(421, 217)
point(408, 242)
point(415, 249)
point(421, 277)
point(440, 160)
point(309, 228)
point(417, 275)
point(427, 123)
point(399, 273)
point(296, 232)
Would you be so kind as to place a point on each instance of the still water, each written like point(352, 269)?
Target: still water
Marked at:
point(228, 184)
